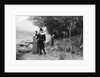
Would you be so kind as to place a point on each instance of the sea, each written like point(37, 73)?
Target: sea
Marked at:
point(27, 36)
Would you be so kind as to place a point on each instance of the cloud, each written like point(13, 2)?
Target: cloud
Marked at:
point(23, 24)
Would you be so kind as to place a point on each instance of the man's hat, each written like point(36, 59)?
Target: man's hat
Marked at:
point(41, 29)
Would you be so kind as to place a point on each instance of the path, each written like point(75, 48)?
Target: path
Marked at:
point(30, 56)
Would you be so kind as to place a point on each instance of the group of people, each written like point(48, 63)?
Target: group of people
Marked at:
point(38, 42)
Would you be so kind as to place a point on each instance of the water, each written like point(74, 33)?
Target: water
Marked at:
point(22, 36)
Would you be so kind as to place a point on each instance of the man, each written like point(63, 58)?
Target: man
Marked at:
point(41, 41)
point(52, 40)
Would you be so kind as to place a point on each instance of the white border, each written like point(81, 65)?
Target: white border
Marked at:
point(86, 65)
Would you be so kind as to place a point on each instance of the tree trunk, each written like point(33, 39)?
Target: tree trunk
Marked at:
point(70, 38)
point(64, 34)
point(81, 38)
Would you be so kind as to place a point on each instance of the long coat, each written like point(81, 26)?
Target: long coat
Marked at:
point(41, 40)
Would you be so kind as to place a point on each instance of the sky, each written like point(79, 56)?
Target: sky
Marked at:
point(24, 25)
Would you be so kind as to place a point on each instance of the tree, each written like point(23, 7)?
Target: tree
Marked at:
point(79, 24)
point(70, 23)
point(51, 22)
point(58, 24)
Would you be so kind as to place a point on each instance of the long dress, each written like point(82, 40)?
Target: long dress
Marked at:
point(37, 37)
point(34, 51)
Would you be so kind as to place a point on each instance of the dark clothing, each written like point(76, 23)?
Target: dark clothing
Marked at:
point(41, 40)
point(37, 36)
point(42, 37)
point(41, 44)
point(52, 41)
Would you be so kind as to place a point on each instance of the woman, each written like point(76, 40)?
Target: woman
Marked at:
point(35, 44)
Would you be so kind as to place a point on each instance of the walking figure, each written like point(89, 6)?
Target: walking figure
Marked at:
point(35, 43)
point(34, 51)
point(37, 38)
point(41, 41)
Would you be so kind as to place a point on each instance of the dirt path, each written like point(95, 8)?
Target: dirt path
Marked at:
point(30, 56)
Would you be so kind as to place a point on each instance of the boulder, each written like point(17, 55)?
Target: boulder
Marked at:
point(56, 48)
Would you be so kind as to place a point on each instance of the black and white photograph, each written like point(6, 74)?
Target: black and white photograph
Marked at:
point(49, 37)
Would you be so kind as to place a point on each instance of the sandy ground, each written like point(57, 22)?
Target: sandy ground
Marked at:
point(48, 56)
point(30, 56)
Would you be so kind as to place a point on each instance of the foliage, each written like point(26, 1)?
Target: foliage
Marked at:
point(58, 24)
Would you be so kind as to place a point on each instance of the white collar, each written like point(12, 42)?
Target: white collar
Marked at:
point(42, 33)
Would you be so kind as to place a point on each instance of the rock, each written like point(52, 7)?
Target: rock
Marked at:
point(47, 44)
point(57, 48)
point(65, 41)
point(60, 49)
point(57, 44)
point(54, 49)
point(24, 49)
point(73, 52)
point(62, 56)
point(18, 53)
point(67, 48)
